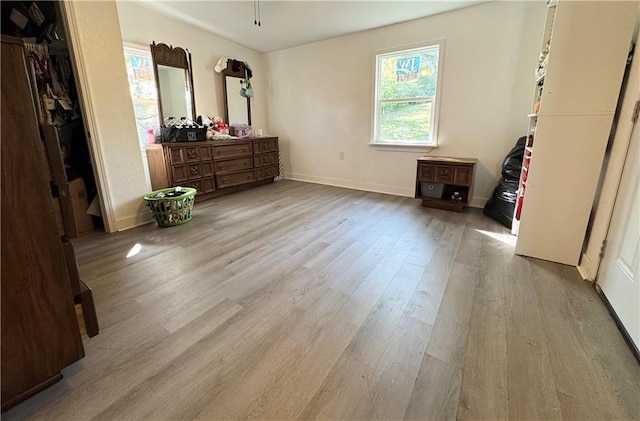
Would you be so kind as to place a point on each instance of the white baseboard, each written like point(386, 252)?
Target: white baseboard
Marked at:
point(338, 182)
point(372, 187)
point(133, 221)
point(585, 268)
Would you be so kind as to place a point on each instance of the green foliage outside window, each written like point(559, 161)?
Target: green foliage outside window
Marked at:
point(400, 120)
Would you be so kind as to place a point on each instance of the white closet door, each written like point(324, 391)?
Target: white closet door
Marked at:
point(619, 279)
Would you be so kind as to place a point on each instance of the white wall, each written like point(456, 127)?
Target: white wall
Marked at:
point(321, 97)
point(140, 25)
point(117, 158)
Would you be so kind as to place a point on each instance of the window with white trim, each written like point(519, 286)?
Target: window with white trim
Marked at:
point(406, 96)
point(143, 90)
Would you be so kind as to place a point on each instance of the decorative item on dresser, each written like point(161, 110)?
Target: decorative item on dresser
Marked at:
point(214, 167)
point(40, 282)
point(445, 183)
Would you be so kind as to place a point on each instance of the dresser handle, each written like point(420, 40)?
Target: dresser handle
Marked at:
point(222, 167)
point(192, 154)
point(244, 149)
point(248, 177)
point(219, 152)
point(194, 170)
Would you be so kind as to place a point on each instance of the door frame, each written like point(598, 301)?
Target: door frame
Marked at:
point(612, 311)
point(86, 105)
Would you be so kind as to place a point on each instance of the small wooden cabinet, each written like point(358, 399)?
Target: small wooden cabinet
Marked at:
point(440, 179)
point(214, 167)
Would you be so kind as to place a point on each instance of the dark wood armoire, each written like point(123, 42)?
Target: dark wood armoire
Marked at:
point(39, 278)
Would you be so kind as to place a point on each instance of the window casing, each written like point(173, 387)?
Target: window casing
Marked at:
point(407, 88)
point(143, 90)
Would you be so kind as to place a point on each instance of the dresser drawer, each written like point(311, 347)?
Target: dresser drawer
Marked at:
point(231, 165)
point(267, 172)
point(268, 145)
point(205, 153)
point(176, 155)
point(195, 171)
point(208, 185)
point(444, 174)
point(426, 172)
point(232, 151)
point(184, 154)
point(179, 173)
point(234, 179)
point(265, 160)
point(207, 168)
point(270, 172)
point(193, 184)
point(462, 176)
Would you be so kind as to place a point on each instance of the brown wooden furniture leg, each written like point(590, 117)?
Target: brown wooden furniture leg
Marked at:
point(88, 310)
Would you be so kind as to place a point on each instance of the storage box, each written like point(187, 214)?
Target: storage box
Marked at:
point(431, 190)
point(240, 130)
point(78, 193)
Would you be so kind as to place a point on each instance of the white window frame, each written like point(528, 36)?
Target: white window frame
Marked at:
point(143, 50)
point(435, 109)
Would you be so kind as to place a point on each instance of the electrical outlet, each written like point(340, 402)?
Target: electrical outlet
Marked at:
point(341, 156)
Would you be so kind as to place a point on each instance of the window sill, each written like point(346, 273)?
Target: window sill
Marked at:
point(402, 147)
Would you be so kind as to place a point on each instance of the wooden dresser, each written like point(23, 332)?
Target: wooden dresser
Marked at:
point(439, 179)
point(40, 282)
point(214, 167)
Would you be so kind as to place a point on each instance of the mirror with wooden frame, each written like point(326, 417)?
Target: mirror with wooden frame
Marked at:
point(237, 108)
point(174, 81)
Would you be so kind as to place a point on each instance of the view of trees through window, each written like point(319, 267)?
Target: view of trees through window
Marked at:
point(406, 93)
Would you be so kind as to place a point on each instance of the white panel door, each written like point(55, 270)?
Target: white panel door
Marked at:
point(619, 279)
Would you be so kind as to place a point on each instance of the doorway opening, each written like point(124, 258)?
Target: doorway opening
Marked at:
point(77, 198)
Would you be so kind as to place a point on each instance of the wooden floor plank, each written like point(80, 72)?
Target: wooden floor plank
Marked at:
point(304, 301)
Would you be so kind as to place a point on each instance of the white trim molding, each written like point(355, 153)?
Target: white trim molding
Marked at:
point(84, 94)
point(372, 187)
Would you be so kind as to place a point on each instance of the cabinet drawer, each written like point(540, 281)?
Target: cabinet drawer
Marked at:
point(191, 154)
point(207, 169)
point(208, 185)
point(234, 179)
point(265, 160)
point(193, 184)
point(270, 172)
point(205, 153)
point(195, 171)
point(176, 155)
point(231, 165)
point(462, 176)
point(426, 172)
point(444, 174)
point(179, 173)
point(232, 151)
point(262, 146)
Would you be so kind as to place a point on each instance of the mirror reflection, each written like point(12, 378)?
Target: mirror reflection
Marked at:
point(175, 93)
point(174, 81)
point(237, 76)
point(236, 104)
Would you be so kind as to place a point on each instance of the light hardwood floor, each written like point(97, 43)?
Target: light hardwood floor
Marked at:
point(303, 301)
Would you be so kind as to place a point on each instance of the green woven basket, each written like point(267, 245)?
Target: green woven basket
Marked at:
point(171, 211)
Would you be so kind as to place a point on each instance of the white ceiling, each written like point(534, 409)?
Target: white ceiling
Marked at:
point(287, 24)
